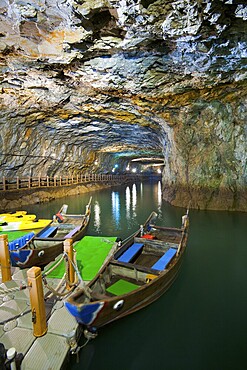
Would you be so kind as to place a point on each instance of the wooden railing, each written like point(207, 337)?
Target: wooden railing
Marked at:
point(21, 183)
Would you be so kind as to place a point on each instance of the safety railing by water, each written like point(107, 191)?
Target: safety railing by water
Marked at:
point(22, 183)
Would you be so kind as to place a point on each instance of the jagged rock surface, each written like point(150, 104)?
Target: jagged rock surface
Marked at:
point(87, 83)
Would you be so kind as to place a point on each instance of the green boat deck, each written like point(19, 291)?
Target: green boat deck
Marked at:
point(91, 252)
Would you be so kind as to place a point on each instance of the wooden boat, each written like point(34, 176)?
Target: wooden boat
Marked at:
point(43, 247)
point(141, 270)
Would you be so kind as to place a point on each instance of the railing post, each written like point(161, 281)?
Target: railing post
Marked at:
point(68, 249)
point(37, 301)
point(60, 179)
point(5, 258)
point(47, 181)
point(39, 181)
point(4, 183)
point(55, 181)
point(17, 182)
point(29, 182)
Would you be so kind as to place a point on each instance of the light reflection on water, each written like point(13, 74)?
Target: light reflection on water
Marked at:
point(159, 194)
point(134, 199)
point(116, 207)
point(127, 202)
point(97, 221)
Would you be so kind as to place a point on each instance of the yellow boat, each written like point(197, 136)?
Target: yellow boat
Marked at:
point(17, 218)
point(15, 214)
point(23, 224)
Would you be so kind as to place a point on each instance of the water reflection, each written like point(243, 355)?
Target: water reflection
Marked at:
point(141, 189)
point(159, 193)
point(115, 207)
point(97, 221)
point(134, 199)
point(127, 203)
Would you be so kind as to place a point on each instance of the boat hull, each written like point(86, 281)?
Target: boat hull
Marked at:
point(138, 274)
point(104, 312)
point(41, 251)
point(28, 257)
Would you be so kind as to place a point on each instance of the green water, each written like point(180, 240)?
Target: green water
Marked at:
point(201, 322)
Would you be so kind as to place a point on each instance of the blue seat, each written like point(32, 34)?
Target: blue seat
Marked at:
point(130, 253)
point(164, 260)
point(47, 232)
point(20, 242)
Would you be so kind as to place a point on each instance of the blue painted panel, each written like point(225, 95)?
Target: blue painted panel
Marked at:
point(20, 242)
point(164, 260)
point(130, 252)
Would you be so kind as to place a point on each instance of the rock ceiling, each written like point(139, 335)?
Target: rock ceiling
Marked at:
point(86, 84)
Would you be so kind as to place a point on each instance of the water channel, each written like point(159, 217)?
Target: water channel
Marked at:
point(201, 322)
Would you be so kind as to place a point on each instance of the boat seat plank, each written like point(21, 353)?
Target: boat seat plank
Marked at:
point(164, 260)
point(131, 266)
point(20, 242)
point(47, 232)
point(72, 232)
point(130, 253)
point(157, 243)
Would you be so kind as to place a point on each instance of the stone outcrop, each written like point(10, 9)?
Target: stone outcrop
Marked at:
point(88, 84)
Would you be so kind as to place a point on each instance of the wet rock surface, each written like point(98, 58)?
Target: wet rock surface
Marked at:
point(87, 84)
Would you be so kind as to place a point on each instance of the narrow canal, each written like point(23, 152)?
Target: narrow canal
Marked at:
point(201, 322)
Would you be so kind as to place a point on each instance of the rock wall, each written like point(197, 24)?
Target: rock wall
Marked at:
point(87, 83)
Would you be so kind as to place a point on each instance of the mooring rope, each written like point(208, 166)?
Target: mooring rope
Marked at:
point(54, 291)
point(12, 290)
point(80, 279)
point(52, 268)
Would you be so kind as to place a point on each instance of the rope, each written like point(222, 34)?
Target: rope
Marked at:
point(57, 288)
point(64, 278)
point(66, 258)
point(53, 290)
point(80, 280)
point(10, 290)
point(76, 352)
point(47, 272)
